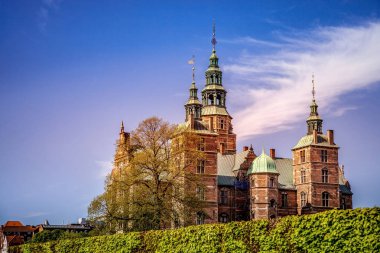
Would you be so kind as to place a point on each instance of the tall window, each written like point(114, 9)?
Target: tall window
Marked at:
point(224, 197)
point(201, 144)
point(201, 167)
point(302, 154)
point(271, 182)
point(303, 199)
point(221, 124)
point(200, 193)
point(325, 199)
point(200, 218)
point(284, 199)
point(223, 218)
point(325, 176)
point(324, 156)
point(272, 203)
point(303, 176)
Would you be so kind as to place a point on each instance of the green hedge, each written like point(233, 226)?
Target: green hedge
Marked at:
point(333, 231)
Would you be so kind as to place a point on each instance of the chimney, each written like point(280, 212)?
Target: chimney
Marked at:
point(315, 137)
point(191, 120)
point(272, 153)
point(330, 137)
point(211, 124)
point(245, 148)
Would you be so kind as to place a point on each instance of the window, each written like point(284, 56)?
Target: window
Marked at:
point(201, 167)
point(303, 176)
point(223, 218)
point(221, 124)
point(271, 182)
point(302, 154)
point(224, 197)
point(200, 218)
point(201, 144)
point(284, 199)
point(325, 176)
point(218, 99)
point(325, 199)
point(303, 199)
point(272, 203)
point(343, 203)
point(324, 156)
point(200, 193)
point(211, 99)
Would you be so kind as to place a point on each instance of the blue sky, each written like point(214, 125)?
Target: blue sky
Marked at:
point(70, 71)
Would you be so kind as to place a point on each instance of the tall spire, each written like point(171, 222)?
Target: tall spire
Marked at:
point(314, 122)
point(193, 106)
point(213, 40)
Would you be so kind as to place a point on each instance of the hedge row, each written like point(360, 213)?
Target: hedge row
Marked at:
point(355, 230)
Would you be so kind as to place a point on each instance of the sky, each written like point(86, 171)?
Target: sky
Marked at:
point(71, 71)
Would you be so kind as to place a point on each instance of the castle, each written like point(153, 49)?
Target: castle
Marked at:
point(244, 186)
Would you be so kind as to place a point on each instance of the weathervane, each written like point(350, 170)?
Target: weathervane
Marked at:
point(213, 41)
point(313, 91)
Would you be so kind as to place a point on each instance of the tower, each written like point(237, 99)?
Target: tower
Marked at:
point(193, 106)
point(263, 178)
point(214, 111)
point(122, 153)
point(315, 166)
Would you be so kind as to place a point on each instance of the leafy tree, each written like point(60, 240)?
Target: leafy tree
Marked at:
point(156, 187)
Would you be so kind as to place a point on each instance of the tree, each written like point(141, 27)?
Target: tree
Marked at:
point(156, 187)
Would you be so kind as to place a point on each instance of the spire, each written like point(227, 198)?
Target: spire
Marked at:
point(193, 106)
point(122, 127)
point(314, 122)
point(213, 40)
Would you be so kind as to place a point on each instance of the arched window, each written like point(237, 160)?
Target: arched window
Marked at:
point(325, 199)
point(200, 218)
point(218, 99)
point(272, 203)
point(223, 218)
point(211, 99)
point(303, 199)
point(325, 175)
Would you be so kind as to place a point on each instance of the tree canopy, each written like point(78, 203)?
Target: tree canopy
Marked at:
point(155, 188)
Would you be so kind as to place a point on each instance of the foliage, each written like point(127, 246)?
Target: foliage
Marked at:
point(146, 190)
point(333, 231)
point(57, 234)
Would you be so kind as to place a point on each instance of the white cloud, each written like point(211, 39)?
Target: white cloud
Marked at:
point(277, 86)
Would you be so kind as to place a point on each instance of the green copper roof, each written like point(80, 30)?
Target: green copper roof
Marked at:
point(264, 164)
point(192, 101)
point(309, 140)
point(214, 110)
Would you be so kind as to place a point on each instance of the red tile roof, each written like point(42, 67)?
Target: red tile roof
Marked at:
point(13, 224)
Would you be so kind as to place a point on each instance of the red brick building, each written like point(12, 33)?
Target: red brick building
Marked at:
point(238, 185)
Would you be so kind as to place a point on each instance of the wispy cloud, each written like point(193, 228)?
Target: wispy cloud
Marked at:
point(47, 6)
point(277, 86)
point(35, 214)
point(105, 168)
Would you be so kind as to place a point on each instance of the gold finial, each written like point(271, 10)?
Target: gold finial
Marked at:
point(313, 91)
point(192, 62)
point(213, 41)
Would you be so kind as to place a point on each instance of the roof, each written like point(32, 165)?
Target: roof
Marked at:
point(70, 226)
point(13, 224)
point(191, 101)
point(344, 189)
point(263, 163)
point(214, 110)
point(285, 168)
point(227, 164)
point(199, 127)
point(309, 140)
point(213, 87)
